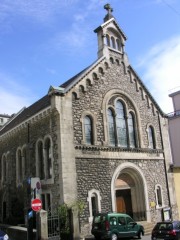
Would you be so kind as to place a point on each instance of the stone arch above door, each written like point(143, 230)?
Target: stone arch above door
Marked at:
point(130, 176)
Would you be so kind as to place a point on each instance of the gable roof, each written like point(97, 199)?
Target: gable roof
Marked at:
point(107, 23)
point(25, 113)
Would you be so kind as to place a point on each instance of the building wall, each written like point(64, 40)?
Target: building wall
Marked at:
point(176, 172)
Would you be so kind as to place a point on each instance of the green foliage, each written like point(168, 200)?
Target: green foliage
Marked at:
point(64, 212)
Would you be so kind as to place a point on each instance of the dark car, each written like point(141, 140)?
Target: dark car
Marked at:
point(115, 225)
point(166, 230)
point(3, 235)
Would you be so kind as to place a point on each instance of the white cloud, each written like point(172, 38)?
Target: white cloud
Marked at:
point(161, 67)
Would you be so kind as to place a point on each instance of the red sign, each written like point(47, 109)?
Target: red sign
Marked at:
point(36, 204)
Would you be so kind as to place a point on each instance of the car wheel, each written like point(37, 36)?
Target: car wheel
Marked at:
point(114, 236)
point(139, 235)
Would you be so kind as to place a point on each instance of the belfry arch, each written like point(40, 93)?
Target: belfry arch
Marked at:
point(129, 192)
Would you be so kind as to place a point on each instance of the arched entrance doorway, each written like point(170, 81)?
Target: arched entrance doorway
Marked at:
point(129, 192)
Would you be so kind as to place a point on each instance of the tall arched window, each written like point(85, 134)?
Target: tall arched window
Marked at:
point(88, 130)
point(113, 43)
point(48, 159)
point(121, 125)
point(94, 200)
point(111, 127)
point(118, 44)
point(121, 129)
point(131, 128)
point(41, 160)
point(4, 169)
point(107, 40)
point(24, 158)
point(19, 167)
point(159, 196)
point(151, 137)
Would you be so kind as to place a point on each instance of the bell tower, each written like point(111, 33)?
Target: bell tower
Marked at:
point(110, 36)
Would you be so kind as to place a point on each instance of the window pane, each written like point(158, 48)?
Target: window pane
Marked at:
point(20, 166)
point(48, 159)
point(48, 201)
point(159, 197)
point(41, 160)
point(151, 137)
point(4, 169)
point(43, 201)
point(111, 128)
point(94, 205)
point(121, 125)
point(131, 131)
point(88, 130)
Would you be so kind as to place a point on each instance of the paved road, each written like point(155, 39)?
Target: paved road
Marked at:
point(146, 237)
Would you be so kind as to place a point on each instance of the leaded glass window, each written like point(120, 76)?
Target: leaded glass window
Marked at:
point(121, 129)
point(111, 127)
point(131, 130)
point(88, 130)
point(48, 159)
point(121, 125)
point(151, 137)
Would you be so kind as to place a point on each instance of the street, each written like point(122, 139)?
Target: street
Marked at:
point(146, 237)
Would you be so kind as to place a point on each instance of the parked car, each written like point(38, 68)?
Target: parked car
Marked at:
point(115, 225)
point(166, 230)
point(3, 235)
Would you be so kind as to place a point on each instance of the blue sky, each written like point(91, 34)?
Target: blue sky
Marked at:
point(46, 42)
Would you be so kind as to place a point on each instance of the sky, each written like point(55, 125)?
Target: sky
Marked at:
point(46, 42)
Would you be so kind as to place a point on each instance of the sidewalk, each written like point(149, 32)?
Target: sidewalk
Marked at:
point(89, 237)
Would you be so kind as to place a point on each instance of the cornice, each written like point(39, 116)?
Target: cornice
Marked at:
point(40, 115)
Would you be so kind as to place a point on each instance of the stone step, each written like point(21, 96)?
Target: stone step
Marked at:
point(148, 226)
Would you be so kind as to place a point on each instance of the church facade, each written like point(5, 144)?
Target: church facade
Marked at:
point(100, 138)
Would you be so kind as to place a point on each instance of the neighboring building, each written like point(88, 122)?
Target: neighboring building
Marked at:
point(3, 119)
point(100, 137)
point(174, 132)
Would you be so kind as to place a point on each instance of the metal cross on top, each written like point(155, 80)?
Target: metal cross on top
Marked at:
point(108, 8)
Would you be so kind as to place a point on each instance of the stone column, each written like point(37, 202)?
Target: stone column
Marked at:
point(42, 225)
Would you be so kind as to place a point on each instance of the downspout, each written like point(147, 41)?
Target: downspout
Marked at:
point(167, 184)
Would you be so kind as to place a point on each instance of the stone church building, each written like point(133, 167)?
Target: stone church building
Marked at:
point(100, 138)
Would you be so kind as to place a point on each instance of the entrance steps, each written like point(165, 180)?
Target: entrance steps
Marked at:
point(148, 226)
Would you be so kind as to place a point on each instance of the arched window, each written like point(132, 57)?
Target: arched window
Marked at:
point(19, 167)
point(113, 45)
point(88, 130)
point(131, 128)
point(151, 137)
point(111, 128)
point(159, 196)
point(107, 40)
point(24, 159)
point(121, 125)
point(121, 129)
point(118, 44)
point(4, 169)
point(94, 200)
point(48, 159)
point(40, 160)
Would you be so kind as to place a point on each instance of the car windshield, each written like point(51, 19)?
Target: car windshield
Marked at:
point(162, 226)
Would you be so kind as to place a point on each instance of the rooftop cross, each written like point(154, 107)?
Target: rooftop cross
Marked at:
point(108, 8)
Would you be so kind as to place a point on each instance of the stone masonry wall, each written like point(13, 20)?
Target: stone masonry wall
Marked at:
point(91, 100)
point(37, 130)
point(97, 174)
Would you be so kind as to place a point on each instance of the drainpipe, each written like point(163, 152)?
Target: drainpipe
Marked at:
point(167, 184)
